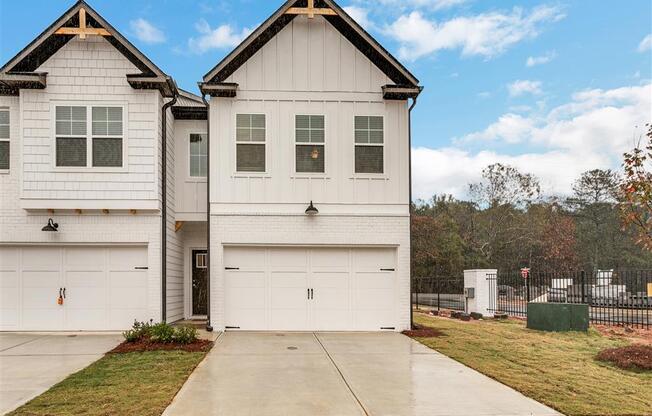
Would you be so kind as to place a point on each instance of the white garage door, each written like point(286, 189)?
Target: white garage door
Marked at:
point(310, 288)
point(104, 288)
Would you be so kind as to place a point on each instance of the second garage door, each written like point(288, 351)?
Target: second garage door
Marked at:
point(328, 289)
point(102, 288)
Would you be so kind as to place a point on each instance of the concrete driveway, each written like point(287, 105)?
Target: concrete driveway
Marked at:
point(32, 363)
point(340, 374)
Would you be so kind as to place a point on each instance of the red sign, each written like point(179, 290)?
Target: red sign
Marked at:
point(525, 272)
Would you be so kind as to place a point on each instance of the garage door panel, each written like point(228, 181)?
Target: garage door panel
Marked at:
point(91, 318)
point(289, 319)
point(77, 279)
point(245, 257)
point(43, 319)
point(374, 259)
point(127, 258)
point(41, 259)
point(84, 259)
point(288, 259)
point(245, 279)
point(289, 279)
point(330, 259)
point(128, 280)
point(289, 298)
point(9, 258)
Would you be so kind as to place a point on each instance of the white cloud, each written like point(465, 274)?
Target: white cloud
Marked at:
point(646, 44)
point(425, 4)
point(591, 131)
point(146, 32)
point(223, 36)
point(522, 87)
point(360, 15)
point(484, 94)
point(487, 34)
point(540, 60)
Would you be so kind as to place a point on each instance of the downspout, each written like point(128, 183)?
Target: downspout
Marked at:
point(164, 196)
point(209, 327)
point(414, 103)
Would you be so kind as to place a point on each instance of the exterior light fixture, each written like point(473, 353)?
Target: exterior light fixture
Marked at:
point(52, 226)
point(312, 210)
point(314, 154)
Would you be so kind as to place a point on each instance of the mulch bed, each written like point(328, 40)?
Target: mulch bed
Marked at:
point(423, 332)
point(635, 356)
point(200, 345)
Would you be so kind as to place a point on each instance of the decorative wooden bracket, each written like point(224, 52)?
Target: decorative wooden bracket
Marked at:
point(82, 30)
point(311, 11)
point(178, 225)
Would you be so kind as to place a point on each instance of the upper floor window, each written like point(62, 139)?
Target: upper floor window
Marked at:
point(4, 139)
point(77, 145)
point(250, 142)
point(198, 155)
point(369, 144)
point(309, 144)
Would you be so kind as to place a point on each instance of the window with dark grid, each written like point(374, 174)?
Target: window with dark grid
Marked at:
point(369, 144)
point(250, 143)
point(309, 144)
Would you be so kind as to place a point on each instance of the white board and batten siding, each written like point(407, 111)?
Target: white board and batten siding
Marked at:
point(310, 68)
point(191, 191)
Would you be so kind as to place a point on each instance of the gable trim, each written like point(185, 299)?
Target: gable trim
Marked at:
point(45, 45)
point(340, 21)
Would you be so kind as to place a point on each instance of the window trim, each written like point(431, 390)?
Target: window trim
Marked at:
point(296, 174)
point(8, 140)
point(246, 174)
point(89, 135)
point(189, 177)
point(383, 174)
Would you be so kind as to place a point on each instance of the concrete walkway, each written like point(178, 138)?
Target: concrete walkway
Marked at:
point(340, 374)
point(32, 363)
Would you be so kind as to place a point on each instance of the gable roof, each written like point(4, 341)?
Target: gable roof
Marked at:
point(348, 27)
point(48, 43)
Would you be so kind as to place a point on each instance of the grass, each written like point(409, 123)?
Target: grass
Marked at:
point(137, 383)
point(558, 369)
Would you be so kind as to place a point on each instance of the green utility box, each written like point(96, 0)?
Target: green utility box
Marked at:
point(558, 317)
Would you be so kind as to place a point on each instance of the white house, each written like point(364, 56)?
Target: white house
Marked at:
point(297, 172)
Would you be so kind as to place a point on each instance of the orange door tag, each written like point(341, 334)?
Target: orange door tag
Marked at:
point(60, 301)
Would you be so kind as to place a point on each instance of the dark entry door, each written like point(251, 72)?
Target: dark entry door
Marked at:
point(199, 282)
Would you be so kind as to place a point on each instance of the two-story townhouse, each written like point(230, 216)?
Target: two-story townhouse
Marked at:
point(84, 121)
point(297, 173)
point(310, 178)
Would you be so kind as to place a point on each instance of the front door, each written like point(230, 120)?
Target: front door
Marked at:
point(199, 283)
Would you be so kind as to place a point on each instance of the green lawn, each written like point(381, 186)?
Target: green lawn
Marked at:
point(137, 383)
point(557, 369)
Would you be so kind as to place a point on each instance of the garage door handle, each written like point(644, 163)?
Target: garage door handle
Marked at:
point(312, 294)
point(64, 292)
point(387, 270)
point(141, 268)
point(231, 268)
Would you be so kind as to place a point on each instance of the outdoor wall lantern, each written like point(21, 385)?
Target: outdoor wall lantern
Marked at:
point(312, 210)
point(52, 226)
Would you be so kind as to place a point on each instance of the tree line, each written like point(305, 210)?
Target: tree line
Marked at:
point(508, 223)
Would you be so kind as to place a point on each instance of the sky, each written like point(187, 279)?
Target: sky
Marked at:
point(552, 87)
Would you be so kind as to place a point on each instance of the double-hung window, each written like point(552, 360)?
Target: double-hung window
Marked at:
point(98, 144)
point(369, 144)
point(250, 142)
point(309, 144)
point(4, 139)
point(198, 155)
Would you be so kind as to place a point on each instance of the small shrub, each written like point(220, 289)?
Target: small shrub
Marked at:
point(138, 331)
point(162, 332)
point(185, 335)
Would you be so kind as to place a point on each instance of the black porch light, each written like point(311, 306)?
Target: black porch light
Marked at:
point(51, 226)
point(312, 210)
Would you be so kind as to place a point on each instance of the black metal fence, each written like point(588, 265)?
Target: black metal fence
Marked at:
point(438, 292)
point(615, 297)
